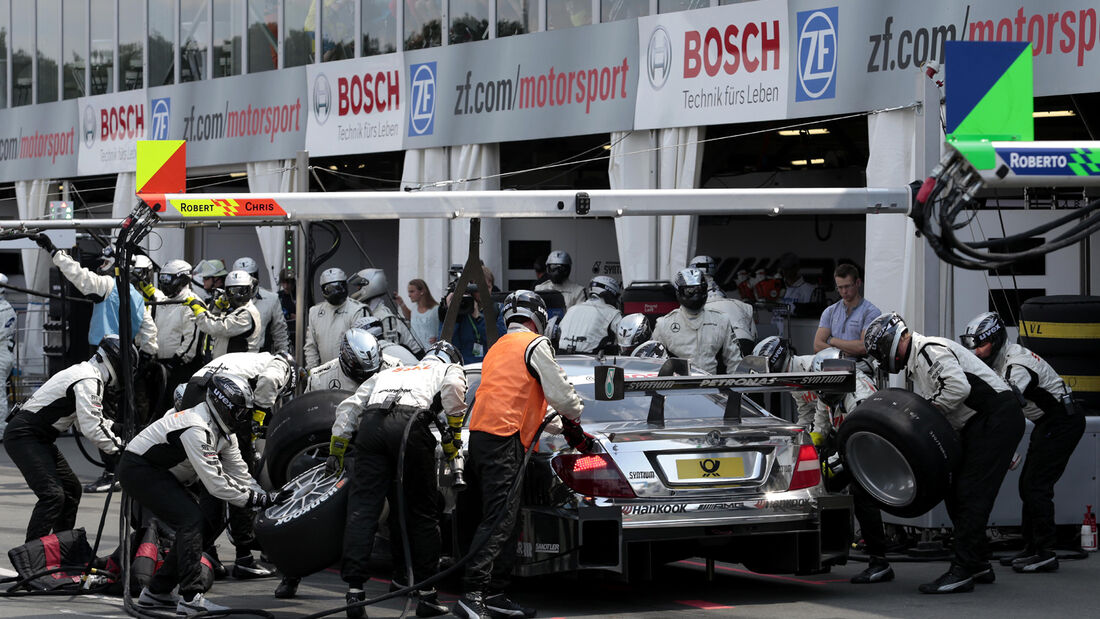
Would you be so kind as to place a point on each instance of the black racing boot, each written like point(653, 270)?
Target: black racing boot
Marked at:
point(247, 567)
point(288, 588)
point(353, 596)
point(954, 580)
point(1023, 554)
point(500, 606)
point(878, 570)
point(985, 576)
point(1041, 561)
point(428, 605)
point(471, 606)
point(105, 482)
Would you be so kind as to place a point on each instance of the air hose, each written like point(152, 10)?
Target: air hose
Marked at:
point(476, 545)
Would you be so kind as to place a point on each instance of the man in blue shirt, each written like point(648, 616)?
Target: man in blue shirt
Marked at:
point(843, 322)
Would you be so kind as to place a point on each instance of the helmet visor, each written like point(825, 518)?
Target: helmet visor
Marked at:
point(335, 292)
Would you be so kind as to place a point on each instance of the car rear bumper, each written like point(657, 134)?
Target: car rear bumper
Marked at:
point(804, 537)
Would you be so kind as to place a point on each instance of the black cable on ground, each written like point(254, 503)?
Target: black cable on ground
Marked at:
point(401, 511)
point(475, 545)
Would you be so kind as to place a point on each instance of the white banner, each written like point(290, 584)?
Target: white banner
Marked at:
point(721, 65)
point(110, 126)
point(355, 106)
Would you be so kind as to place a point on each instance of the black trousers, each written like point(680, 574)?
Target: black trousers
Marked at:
point(989, 439)
point(48, 475)
point(377, 447)
point(1053, 440)
point(158, 491)
point(870, 521)
point(492, 468)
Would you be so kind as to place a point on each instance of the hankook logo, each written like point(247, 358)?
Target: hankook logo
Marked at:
point(659, 57)
point(322, 98)
point(88, 128)
point(422, 110)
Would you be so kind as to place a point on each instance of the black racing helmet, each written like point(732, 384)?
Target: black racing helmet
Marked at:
point(229, 399)
point(359, 355)
point(987, 328)
point(445, 352)
point(691, 288)
point(558, 266)
point(881, 338)
point(776, 350)
point(109, 354)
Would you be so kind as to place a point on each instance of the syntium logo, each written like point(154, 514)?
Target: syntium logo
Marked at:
point(422, 95)
point(817, 49)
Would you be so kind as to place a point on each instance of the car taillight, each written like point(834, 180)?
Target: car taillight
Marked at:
point(592, 475)
point(807, 471)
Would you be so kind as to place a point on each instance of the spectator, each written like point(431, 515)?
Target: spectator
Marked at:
point(288, 300)
point(843, 322)
point(425, 320)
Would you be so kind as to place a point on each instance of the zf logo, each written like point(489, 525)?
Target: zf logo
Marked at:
point(817, 48)
point(422, 110)
point(161, 114)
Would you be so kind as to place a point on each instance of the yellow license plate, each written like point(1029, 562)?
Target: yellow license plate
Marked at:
point(710, 468)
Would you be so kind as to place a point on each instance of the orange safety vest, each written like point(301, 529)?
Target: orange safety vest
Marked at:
point(509, 398)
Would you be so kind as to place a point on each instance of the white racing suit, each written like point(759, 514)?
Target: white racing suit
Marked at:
point(986, 414)
point(741, 316)
point(378, 414)
point(326, 326)
point(179, 449)
point(237, 330)
point(1042, 387)
point(8, 329)
point(572, 293)
point(828, 418)
point(394, 327)
point(331, 376)
point(273, 332)
point(704, 337)
point(589, 327)
point(805, 402)
point(265, 373)
point(102, 288)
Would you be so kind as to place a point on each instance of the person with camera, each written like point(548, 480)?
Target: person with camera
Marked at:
point(1049, 404)
point(197, 444)
point(377, 416)
point(519, 378)
point(470, 333)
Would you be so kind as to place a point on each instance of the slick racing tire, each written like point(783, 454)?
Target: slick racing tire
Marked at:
point(1083, 377)
point(901, 450)
point(1061, 326)
point(299, 436)
point(305, 534)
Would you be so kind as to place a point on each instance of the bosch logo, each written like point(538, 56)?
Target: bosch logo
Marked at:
point(88, 126)
point(422, 87)
point(659, 57)
point(322, 98)
point(817, 49)
point(162, 109)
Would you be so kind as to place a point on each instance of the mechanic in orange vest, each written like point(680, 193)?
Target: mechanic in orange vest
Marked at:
point(519, 376)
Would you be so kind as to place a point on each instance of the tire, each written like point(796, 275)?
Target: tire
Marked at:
point(299, 435)
point(305, 534)
point(1083, 377)
point(901, 450)
point(1044, 326)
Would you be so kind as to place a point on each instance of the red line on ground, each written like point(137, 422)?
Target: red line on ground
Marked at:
point(735, 570)
point(702, 604)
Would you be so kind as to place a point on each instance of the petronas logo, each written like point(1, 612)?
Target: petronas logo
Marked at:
point(609, 383)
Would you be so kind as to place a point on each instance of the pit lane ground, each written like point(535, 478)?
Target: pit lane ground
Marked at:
point(678, 590)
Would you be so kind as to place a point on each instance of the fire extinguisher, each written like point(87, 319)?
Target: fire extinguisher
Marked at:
point(1088, 530)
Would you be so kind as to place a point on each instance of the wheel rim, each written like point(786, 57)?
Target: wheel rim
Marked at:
point(308, 489)
point(306, 459)
point(881, 469)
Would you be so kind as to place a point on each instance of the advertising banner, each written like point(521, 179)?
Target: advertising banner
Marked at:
point(713, 66)
point(110, 126)
point(254, 117)
point(870, 54)
point(355, 106)
point(548, 84)
point(38, 141)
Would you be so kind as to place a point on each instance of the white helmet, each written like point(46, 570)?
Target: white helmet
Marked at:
point(706, 264)
point(174, 276)
point(246, 264)
point(371, 282)
point(606, 288)
point(370, 324)
point(3, 282)
point(210, 268)
point(141, 268)
point(334, 286)
point(239, 288)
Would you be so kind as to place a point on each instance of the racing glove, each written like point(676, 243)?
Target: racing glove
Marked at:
point(221, 302)
point(818, 438)
point(196, 305)
point(576, 437)
point(147, 290)
point(451, 448)
point(337, 447)
point(263, 500)
point(45, 243)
